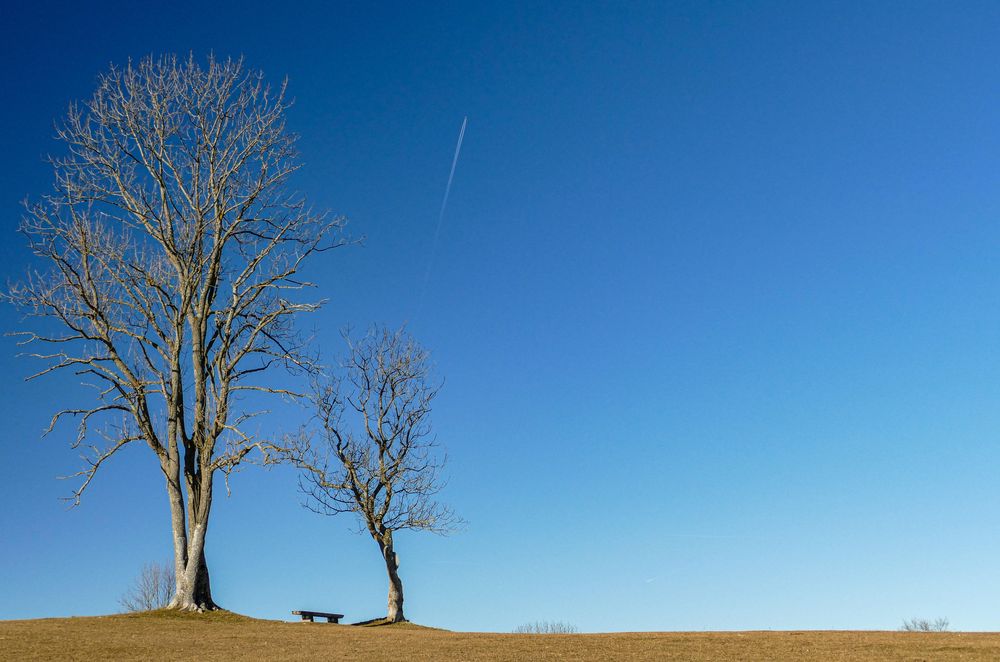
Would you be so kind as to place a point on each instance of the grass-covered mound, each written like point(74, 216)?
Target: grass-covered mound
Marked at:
point(167, 635)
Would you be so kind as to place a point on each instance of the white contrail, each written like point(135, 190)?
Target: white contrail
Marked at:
point(444, 204)
point(451, 175)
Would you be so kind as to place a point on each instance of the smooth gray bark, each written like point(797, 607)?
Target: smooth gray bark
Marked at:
point(394, 612)
point(193, 590)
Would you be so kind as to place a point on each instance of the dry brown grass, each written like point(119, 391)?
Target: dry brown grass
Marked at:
point(172, 636)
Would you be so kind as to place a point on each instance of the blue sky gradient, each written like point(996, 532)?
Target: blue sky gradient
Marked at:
point(716, 297)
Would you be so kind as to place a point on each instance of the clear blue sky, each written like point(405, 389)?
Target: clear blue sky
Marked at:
point(717, 299)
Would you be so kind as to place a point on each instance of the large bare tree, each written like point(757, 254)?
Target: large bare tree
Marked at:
point(169, 253)
point(377, 456)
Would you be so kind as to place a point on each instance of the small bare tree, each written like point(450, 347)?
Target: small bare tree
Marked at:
point(925, 625)
point(546, 627)
point(170, 249)
point(152, 589)
point(378, 457)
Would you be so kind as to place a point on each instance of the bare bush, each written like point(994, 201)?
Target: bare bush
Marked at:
point(546, 627)
point(152, 589)
point(924, 625)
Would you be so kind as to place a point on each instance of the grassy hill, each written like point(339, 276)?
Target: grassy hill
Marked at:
point(224, 635)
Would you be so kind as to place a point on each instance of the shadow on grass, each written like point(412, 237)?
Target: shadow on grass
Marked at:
point(215, 616)
point(402, 625)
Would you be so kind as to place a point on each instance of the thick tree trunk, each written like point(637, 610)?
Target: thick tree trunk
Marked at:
point(193, 587)
point(178, 528)
point(395, 611)
point(203, 586)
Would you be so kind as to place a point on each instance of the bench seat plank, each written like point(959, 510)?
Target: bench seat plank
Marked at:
point(310, 615)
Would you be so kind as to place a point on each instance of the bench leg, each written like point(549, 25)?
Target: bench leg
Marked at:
point(307, 618)
point(333, 619)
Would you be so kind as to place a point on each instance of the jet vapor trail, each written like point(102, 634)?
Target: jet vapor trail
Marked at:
point(451, 176)
point(444, 205)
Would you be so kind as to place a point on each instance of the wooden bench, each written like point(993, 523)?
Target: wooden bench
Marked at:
point(310, 615)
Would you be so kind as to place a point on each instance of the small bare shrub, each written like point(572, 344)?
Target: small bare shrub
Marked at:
point(546, 627)
point(924, 625)
point(152, 589)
